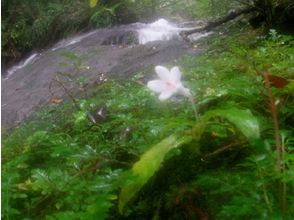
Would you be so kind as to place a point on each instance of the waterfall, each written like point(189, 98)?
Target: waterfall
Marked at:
point(22, 64)
point(164, 30)
point(160, 30)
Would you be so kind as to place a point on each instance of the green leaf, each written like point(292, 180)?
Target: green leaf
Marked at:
point(99, 209)
point(93, 3)
point(241, 119)
point(146, 167)
point(150, 161)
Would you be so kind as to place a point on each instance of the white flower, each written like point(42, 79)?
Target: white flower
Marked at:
point(168, 84)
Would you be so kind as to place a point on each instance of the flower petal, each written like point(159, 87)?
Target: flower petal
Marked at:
point(175, 75)
point(162, 72)
point(156, 85)
point(165, 95)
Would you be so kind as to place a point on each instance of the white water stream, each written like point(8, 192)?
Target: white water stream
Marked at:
point(160, 30)
point(22, 64)
point(165, 30)
point(32, 58)
point(71, 41)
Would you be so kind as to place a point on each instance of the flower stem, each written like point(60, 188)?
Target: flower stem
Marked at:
point(194, 108)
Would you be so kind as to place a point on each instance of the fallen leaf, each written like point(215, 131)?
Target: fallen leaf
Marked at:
point(56, 100)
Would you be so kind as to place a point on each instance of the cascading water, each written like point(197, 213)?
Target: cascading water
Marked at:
point(164, 30)
point(32, 58)
point(71, 41)
point(22, 64)
point(160, 30)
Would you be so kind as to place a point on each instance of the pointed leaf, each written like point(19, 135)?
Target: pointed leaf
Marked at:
point(148, 164)
point(150, 161)
point(242, 119)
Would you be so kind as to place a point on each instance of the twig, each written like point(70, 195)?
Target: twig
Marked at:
point(210, 25)
point(222, 149)
point(67, 92)
point(90, 116)
point(280, 166)
point(274, 114)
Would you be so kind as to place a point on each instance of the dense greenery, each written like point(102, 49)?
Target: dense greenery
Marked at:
point(223, 166)
point(146, 159)
point(28, 25)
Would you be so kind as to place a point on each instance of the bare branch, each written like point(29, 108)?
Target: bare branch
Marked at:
point(210, 25)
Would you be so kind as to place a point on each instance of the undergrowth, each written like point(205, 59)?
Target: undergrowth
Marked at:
point(64, 166)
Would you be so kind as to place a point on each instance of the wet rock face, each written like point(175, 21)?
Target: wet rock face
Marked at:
point(124, 38)
point(105, 53)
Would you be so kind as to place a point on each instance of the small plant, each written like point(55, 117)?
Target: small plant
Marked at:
point(169, 84)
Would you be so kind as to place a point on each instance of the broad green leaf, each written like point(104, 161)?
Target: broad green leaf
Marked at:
point(150, 161)
point(148, 164)
point(93, 3)
point(241, 119)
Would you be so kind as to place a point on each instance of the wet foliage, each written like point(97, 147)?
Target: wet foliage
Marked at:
point(146, 159)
